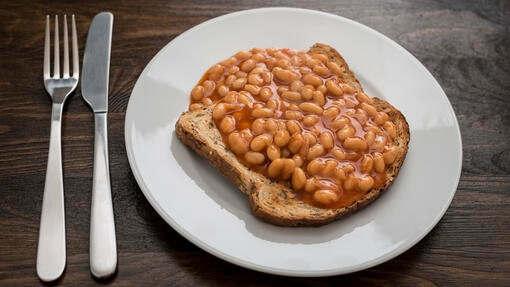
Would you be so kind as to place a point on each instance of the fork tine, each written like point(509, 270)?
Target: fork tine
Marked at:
point(66, 50)
point(76, 62)
point(56, 60)
point(46, 66)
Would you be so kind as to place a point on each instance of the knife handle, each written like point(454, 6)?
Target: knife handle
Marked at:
point(51, 250)
point(103, 247)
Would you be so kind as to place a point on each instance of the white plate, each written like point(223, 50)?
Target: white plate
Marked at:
point(205, 208)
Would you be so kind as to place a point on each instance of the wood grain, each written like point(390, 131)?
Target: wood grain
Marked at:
point(464, 44)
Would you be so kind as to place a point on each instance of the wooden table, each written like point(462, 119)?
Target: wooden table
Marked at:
point(466, 46)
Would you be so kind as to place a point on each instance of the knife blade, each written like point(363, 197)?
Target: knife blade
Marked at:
point(94, 89)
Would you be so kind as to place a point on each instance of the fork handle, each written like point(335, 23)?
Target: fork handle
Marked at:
point(51, 250)
point(103, 249)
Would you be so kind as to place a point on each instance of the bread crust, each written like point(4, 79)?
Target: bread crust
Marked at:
point(272, 201)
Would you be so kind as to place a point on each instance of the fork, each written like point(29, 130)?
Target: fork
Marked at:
point(51, 251)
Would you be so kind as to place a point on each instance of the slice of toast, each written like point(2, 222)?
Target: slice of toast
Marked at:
point(275, 202)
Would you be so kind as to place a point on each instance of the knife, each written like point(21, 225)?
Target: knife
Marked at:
point(94, 89)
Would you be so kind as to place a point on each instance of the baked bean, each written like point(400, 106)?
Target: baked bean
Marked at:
point(230, 80)
point(207, 102)
point(379, 143)
point(248, 65)
point(245, 98)
point(390, 129)
point(345, 132)
point(266, 76)
point(311, 184)
point(243, 55)
point(298, 160)
point(282, 89)
point(227, 124)
point(283, 63)
point(321, 70)
point(379, 164)
point(331, 112)
point(347, 88)
point(252, 89)
point(255, 79)
point(231, 97)
point(209, 87)
point(219, 111)
point(371, 110)
point(325, 196)
point(329, 168)
point(381, 118)
point(195, 106)
point(197, 93)
point(229, 62)
point(293, 115)
point(339, 175)
point(265, 93)
point(288, 168)
point(311, 108)
point(326, 140)
point(310, 120)
point(273, 104)
point(340, 122)
point(307, 93)
point(335, 68)
point(275, 167)
point(281, 138)
point(370, 137)
point(285, 76)
point(366, 164)
point(260, 142)
point(293, 127)
point(351, 182)
point(258, 57)
point(362, 97)
point(298, 179)
point(215, 72)
point(237, 144)
point(296, 86)
point(366, 183)
point(254, 157)
point(348, 168)
point(334, 88)
point(322, 89)
point(321, 57)
point(222, 90)
point(285, 152)
point(390, 155)
point(233, 70)
point(258, 126)
point(281, 55)
point(315, 152)
point(273, 152)
point(295, 143)
point(355, 144)
point(262, 113)
point(318, 98)
point(310, 138)
point(314, 167)
point(312, 79)
point(239, 83)
point(291, 96)
point(271, 126)
point(338, 153)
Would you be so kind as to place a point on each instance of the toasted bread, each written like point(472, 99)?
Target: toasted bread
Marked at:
point(272, 201)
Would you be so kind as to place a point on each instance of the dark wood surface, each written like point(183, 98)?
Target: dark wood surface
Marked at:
point(465, 45)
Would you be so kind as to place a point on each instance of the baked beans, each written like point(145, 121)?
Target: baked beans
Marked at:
point(292, 116)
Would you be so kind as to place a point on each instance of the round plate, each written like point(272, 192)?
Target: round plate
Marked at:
point(198, 202)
